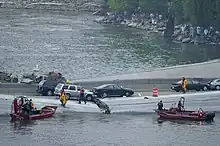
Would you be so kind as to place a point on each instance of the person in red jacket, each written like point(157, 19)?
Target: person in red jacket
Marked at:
point(15, 106)
point(82, 95)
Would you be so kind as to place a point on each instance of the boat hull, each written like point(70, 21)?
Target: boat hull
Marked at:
point(45, 112)
point(185, 115)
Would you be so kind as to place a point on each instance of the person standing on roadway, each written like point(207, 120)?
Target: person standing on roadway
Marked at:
point(184, 84)
point(82, 96)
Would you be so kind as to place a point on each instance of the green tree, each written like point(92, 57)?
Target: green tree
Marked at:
point(196, 12)
point(176, 7)
point(118, 5)
point(200, 12)
point(154, 6)
point(217, 14)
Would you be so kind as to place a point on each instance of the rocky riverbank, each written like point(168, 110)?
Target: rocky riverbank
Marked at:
point(72, 5)
point(156, 23)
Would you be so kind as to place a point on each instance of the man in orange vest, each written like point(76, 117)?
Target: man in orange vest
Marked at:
point(62, 97)
point(184, 84)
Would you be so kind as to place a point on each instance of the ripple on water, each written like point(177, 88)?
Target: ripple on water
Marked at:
point(79, 48)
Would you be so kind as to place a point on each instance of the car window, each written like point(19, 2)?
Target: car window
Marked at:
point(72, 88)
point(59, 86)
point(65, 87)
point(117, 87)
point(179, 82)
point(218, 80)
point(109, 87)
point(190, 82)
point(78, 88)
point(50, 84)
point(195, 82)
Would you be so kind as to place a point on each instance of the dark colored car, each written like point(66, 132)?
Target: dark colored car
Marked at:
point(47, 87)
point(112, 90)
point(191, 85)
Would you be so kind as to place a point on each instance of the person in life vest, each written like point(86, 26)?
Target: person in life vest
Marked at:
point(184, 84)
point(26, 107)
point(82, 96)
point(160, 105)
point(33, 107)
point(180, 106)
point(63, 99)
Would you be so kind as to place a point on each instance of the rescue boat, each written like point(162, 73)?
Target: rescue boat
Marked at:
point(175, 114)
point(17, 114)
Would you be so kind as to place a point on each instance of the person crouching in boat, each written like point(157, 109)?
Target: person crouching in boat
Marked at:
point(32, 107)
point(26, 108)
point(184, 84)
point(63, 99)
point(160, 105)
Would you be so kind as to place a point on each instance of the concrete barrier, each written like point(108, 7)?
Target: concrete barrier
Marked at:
point(17, 88)
point(141, 81)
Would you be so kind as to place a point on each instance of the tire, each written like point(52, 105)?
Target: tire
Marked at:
point(205, 88)
point(89, 97)
point(104, 95)
point(127, 94)
point(15, 80)
point(68, 96)
point(217, 87)
point(49, 93)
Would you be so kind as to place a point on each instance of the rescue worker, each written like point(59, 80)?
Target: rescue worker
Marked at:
point(180, 106)
point(160, 105)
point(26, 108)
point(32, 106)
point(82, 96)
point(184, 84)
point(63, 99)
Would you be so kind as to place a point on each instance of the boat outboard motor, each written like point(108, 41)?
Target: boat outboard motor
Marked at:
point(103, 106)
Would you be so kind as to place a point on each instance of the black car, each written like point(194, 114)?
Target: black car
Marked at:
point(112, 90)
point(47, 87)
point(191, 85)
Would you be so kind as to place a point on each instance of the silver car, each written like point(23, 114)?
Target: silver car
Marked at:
point(215, 84)
point(72, 91)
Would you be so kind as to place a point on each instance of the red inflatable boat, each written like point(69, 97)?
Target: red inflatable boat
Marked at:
point(18, 114)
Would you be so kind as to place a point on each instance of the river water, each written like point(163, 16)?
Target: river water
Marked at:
point(79, 48)
point(69, 128)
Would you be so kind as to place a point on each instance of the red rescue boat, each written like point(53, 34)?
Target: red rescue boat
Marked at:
point(17, 114)
point(175, 114)
point(185, 115)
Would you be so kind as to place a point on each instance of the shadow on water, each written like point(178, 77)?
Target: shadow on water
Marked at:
point(161, 121)
point(22, 127)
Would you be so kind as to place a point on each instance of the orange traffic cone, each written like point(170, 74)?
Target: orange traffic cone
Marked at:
point(155, 92)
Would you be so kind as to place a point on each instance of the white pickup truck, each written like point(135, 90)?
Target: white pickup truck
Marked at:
point(72, 91)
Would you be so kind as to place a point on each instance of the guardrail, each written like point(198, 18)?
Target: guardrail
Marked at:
point(143, 81)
